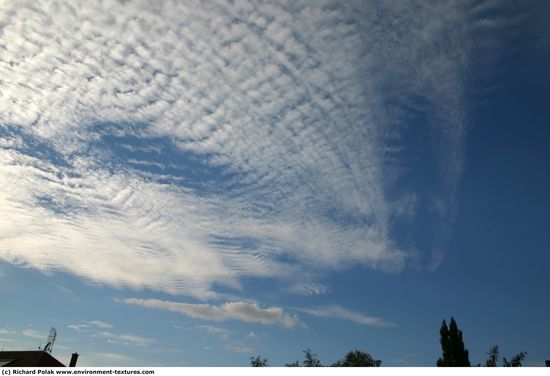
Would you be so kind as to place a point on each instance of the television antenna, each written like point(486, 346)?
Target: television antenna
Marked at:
point(51, 340)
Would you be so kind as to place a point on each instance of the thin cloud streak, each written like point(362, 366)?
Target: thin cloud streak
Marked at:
point(242, 311)
point(34, 334)
point(94, 324)
point(224, 336)
point(339, 312)
point(125, 339)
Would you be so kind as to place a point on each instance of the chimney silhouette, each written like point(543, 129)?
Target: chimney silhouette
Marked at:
point(74, 358)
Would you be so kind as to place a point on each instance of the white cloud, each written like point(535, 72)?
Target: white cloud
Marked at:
point(113, 357)
point(125, 339)
point(223, 333)
point(64, 289)
point(90, 324)
point(101, 329)
point(224, 336)
point(77, 327)
point(4, 331)
point(34, 334)
point(21, 339)
point(308, 288)
point(338, 312)
point(284, 104)
point(100, 324)
point(243, 311)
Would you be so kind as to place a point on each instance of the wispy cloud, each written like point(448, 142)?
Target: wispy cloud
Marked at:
point(17, 339)
point(252, 335)
point(101, 329)
point(7, 334)
point(77, 327)
point(204, 144)
point(243, 311)
point(224, 335)
point(339, 312)
point(34, 334)
point(308, 288)
point(113, 357)
point(125, 339)
point(94, 324)
point(6, 331)
point(100, 324)
point(221, 332)
point(64, 289)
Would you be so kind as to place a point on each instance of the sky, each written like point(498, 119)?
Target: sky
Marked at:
point(193, 183)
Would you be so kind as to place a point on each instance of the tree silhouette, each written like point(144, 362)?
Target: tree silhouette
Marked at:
point(452, 346)
point(293, 364)
point(517, 360)
point(492, 360)
point(357, 358)
point(353, 358)
point(310, 360)
point(258, 361)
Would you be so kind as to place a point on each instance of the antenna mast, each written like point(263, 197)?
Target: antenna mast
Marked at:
point(51, 339)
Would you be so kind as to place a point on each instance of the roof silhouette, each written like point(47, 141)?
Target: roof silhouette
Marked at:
point(36, 358)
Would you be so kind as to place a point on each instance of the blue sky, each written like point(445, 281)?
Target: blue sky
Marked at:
point(194, 183)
